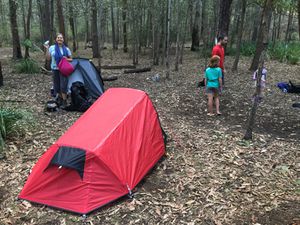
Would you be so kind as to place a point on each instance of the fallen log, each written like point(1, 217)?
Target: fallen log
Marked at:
point(110, 78)
point(141, 70)
point(118, 67)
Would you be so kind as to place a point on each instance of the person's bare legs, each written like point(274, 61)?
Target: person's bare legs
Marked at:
point(210, 103)
point(217, 102)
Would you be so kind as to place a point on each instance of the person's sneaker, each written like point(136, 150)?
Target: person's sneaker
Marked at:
point(64, 104)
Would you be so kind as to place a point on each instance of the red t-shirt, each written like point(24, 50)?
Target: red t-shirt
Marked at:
point(219, 51)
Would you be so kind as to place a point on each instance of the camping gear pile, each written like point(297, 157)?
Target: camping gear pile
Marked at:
point(101, 157)
point(85, 85)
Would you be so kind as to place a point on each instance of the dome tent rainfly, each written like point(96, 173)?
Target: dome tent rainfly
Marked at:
point(86, 73)
point(101, 157)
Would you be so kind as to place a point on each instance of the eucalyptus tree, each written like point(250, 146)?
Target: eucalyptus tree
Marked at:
point(26, 22)
point(124, 22)
point(61, 20)
point(299, 17)
point(94, 30)
point(195, 23)
point(240, 35)
point(224, 17)
point(263, 30)
point(17, 53)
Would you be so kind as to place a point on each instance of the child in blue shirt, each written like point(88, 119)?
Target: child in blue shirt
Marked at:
point(213, 84)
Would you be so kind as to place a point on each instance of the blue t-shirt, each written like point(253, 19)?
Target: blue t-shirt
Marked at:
point(52, 53)
point(212, 76)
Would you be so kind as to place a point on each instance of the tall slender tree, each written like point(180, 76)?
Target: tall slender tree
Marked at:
point(299, 17)
point(27, 28)
point(124, 21)
point(224, 17)
point(240, 35)
point(94, 29)
point(17, 53)
point(195, 29)
point(61, 20)
point(264, 27)
point(72, 24)
point(113, 29)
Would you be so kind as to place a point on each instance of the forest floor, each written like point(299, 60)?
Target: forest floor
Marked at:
point(209, 175)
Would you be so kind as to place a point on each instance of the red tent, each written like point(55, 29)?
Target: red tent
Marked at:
point(101, 157)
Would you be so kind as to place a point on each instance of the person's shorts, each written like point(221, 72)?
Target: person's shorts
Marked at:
point(214, 91)
point(60, 82)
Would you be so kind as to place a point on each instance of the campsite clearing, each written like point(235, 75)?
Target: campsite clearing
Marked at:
point(208, 176)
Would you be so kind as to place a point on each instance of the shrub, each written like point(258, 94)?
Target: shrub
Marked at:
point(248, 48)
point(285, 52)
point(13, 124)
point(27, 66)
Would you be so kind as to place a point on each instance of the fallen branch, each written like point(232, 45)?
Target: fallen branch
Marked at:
point(45, 70)
point(110, 78)
point(138, 70)
point(9, 100)
point(118, 67)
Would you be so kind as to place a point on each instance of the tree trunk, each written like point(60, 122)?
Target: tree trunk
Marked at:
point(155, 34)
point(124, 18)
point(113, 32)
point(224, 17)
point(263, 31)
point(255, 25)
point(94, 30)
point(168, 41)
point(195, 29)
point(204, 25)
point(17, 54)
point(183, 40)
point(1, 76)
point(240, 36)
point(61, 20)
point(44, 10)
point(299, 17)
point(288, 28)
point(72, 24)
point(257, 95)
point(52, 29)
point(28, 28)
point(279, 26)
point(177, 36)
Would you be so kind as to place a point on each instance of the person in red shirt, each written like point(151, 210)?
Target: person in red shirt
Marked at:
point(218, 50)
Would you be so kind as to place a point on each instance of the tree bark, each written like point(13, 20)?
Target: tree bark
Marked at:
point(72, 24)
point(263, 31)
point(255, 24)
point(1, 76)
point(168, 41)
point(124, 18)
point(177, 36)
point(299, 17)
point(195, 29)
point(28, 28)
point(17, 54)
point(257, 95)
point(240, 36)
point(288, 28)
point(113, 32)
point(224, 17)
point(204, 25)
point(44, 10)
point(94, 30)
point(61, 20)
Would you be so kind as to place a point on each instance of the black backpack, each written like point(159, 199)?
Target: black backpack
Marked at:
point(80, 100)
